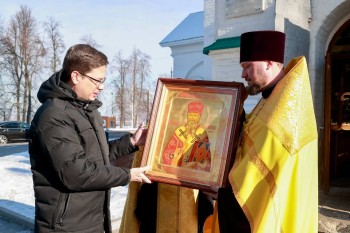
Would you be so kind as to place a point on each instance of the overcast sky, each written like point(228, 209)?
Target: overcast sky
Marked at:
point(113, 24)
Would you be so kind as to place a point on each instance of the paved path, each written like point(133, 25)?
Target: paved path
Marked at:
point(334, 211)
point(13, 148)
point(10, 226)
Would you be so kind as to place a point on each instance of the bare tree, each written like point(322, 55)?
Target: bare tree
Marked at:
point(2, 90)
point(87, 39)
point(121, 66)
point(139, 72)
point(132, 86)
point(55, 45)
point(134, 70)
point(1, 29)
point(22, 53)
point(7, 105)
point(143, 95)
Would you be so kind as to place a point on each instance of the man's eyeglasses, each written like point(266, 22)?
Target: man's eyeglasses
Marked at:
point(99, 81)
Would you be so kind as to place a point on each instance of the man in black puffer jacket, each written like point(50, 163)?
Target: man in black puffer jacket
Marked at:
point(69, 154)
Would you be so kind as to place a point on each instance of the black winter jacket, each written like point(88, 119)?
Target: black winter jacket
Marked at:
point(70, 162)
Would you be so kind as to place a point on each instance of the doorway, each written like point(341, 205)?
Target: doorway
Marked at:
point(337, 111)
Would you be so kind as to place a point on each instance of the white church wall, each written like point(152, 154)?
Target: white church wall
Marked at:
point(309, 29)
point(218, 24)
point(230, 26)
point(209, 22)
point(226, 68)
point(226, 65)
point(190, 62)
point(326, 18)
point(295, 23)
point(292, 17)
point(297, 12)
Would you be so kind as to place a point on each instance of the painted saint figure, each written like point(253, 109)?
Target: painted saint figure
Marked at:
point(189, 145)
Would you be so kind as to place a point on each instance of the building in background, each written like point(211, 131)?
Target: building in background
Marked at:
point(186, 42)
point(205, 45)
point(109, 121)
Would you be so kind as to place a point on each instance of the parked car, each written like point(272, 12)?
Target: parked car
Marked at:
point(112, 133)
point(13, 131)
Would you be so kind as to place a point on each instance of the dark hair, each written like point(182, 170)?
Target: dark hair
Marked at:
point(82, 58)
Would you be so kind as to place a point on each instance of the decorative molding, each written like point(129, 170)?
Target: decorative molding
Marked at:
point(237, 8)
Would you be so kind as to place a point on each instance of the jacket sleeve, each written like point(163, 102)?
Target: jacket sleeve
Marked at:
point(77, 169)
point(121, 147)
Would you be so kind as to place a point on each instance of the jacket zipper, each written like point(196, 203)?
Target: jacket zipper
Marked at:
point(64, 210)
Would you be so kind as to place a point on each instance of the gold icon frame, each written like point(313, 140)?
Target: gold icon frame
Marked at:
point(220, 106)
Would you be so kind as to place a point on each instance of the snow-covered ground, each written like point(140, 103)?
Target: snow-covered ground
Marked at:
point(17, 195)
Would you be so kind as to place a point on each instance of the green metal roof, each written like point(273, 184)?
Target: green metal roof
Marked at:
point(225, 43)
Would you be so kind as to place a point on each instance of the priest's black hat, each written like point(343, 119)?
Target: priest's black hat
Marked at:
point(262, 46)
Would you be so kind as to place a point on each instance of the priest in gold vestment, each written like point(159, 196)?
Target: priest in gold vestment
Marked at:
point(274, 178)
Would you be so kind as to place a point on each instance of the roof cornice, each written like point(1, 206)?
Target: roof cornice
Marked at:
point(224, 43)
point(182, 42)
